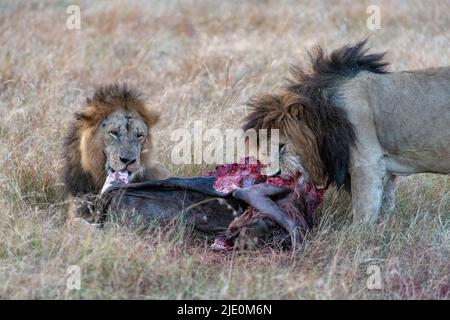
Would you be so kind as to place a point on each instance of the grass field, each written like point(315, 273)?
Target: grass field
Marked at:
point(199, 60)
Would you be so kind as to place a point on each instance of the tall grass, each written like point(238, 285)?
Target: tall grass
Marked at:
point(199, 61)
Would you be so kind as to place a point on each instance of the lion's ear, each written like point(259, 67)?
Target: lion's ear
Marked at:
point(298, 113)
point(151, 117)
point(86, 115)
point(82, 116)
point(298, 118)
point(263, 107)
point(86, 119)
point(295, 105)
point(155, 118)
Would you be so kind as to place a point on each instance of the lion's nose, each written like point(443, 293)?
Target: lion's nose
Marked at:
point(127, 161)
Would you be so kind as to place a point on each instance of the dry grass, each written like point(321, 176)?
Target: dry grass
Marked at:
point(199, 61)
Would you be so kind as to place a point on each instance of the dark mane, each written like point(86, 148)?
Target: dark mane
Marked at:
point(76, 180)
point(112, 94)
point(335, 134)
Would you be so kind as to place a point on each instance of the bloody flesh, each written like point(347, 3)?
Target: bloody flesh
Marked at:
point(300, 204)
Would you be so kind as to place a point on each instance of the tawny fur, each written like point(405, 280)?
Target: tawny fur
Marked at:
point(84, 158)
point(284, 111)
point(356, 125)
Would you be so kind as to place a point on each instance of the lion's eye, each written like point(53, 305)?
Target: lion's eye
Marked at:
point(114, 133)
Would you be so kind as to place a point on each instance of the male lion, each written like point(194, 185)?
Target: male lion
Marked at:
point(352, 123)
point(111, 133)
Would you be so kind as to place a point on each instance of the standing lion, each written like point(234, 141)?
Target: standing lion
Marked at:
point(352, 123)
point(111, 133)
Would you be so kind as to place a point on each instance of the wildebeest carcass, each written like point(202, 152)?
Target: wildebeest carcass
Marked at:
point(232, 200)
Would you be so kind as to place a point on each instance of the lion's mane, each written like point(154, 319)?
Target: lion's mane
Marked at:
point(325, 134)
point(84, 159)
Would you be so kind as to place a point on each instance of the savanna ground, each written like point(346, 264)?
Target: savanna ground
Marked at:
point(199, 60)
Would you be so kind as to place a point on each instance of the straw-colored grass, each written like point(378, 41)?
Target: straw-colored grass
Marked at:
point(199, 60)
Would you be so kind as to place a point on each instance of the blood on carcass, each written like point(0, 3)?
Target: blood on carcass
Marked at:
point(300, 204)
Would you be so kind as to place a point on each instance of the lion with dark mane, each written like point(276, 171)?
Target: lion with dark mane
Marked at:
point(351, 123)
point(111, 133)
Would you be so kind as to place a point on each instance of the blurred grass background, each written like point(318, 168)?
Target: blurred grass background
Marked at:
point(199, 60)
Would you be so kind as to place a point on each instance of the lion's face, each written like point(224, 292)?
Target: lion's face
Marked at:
point(298, 152)
point(122, 135)
point(290, 162)
point(112, 132)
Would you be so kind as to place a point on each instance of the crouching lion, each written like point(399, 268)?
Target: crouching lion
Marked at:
point(352, 123)
point(111, 133)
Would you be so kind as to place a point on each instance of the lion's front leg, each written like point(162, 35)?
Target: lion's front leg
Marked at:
point(389, 193)
point(367, 166)
point(157, 171)
point(81, 215)
point(367, 190)
point(83, 207)
point(153, 171)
